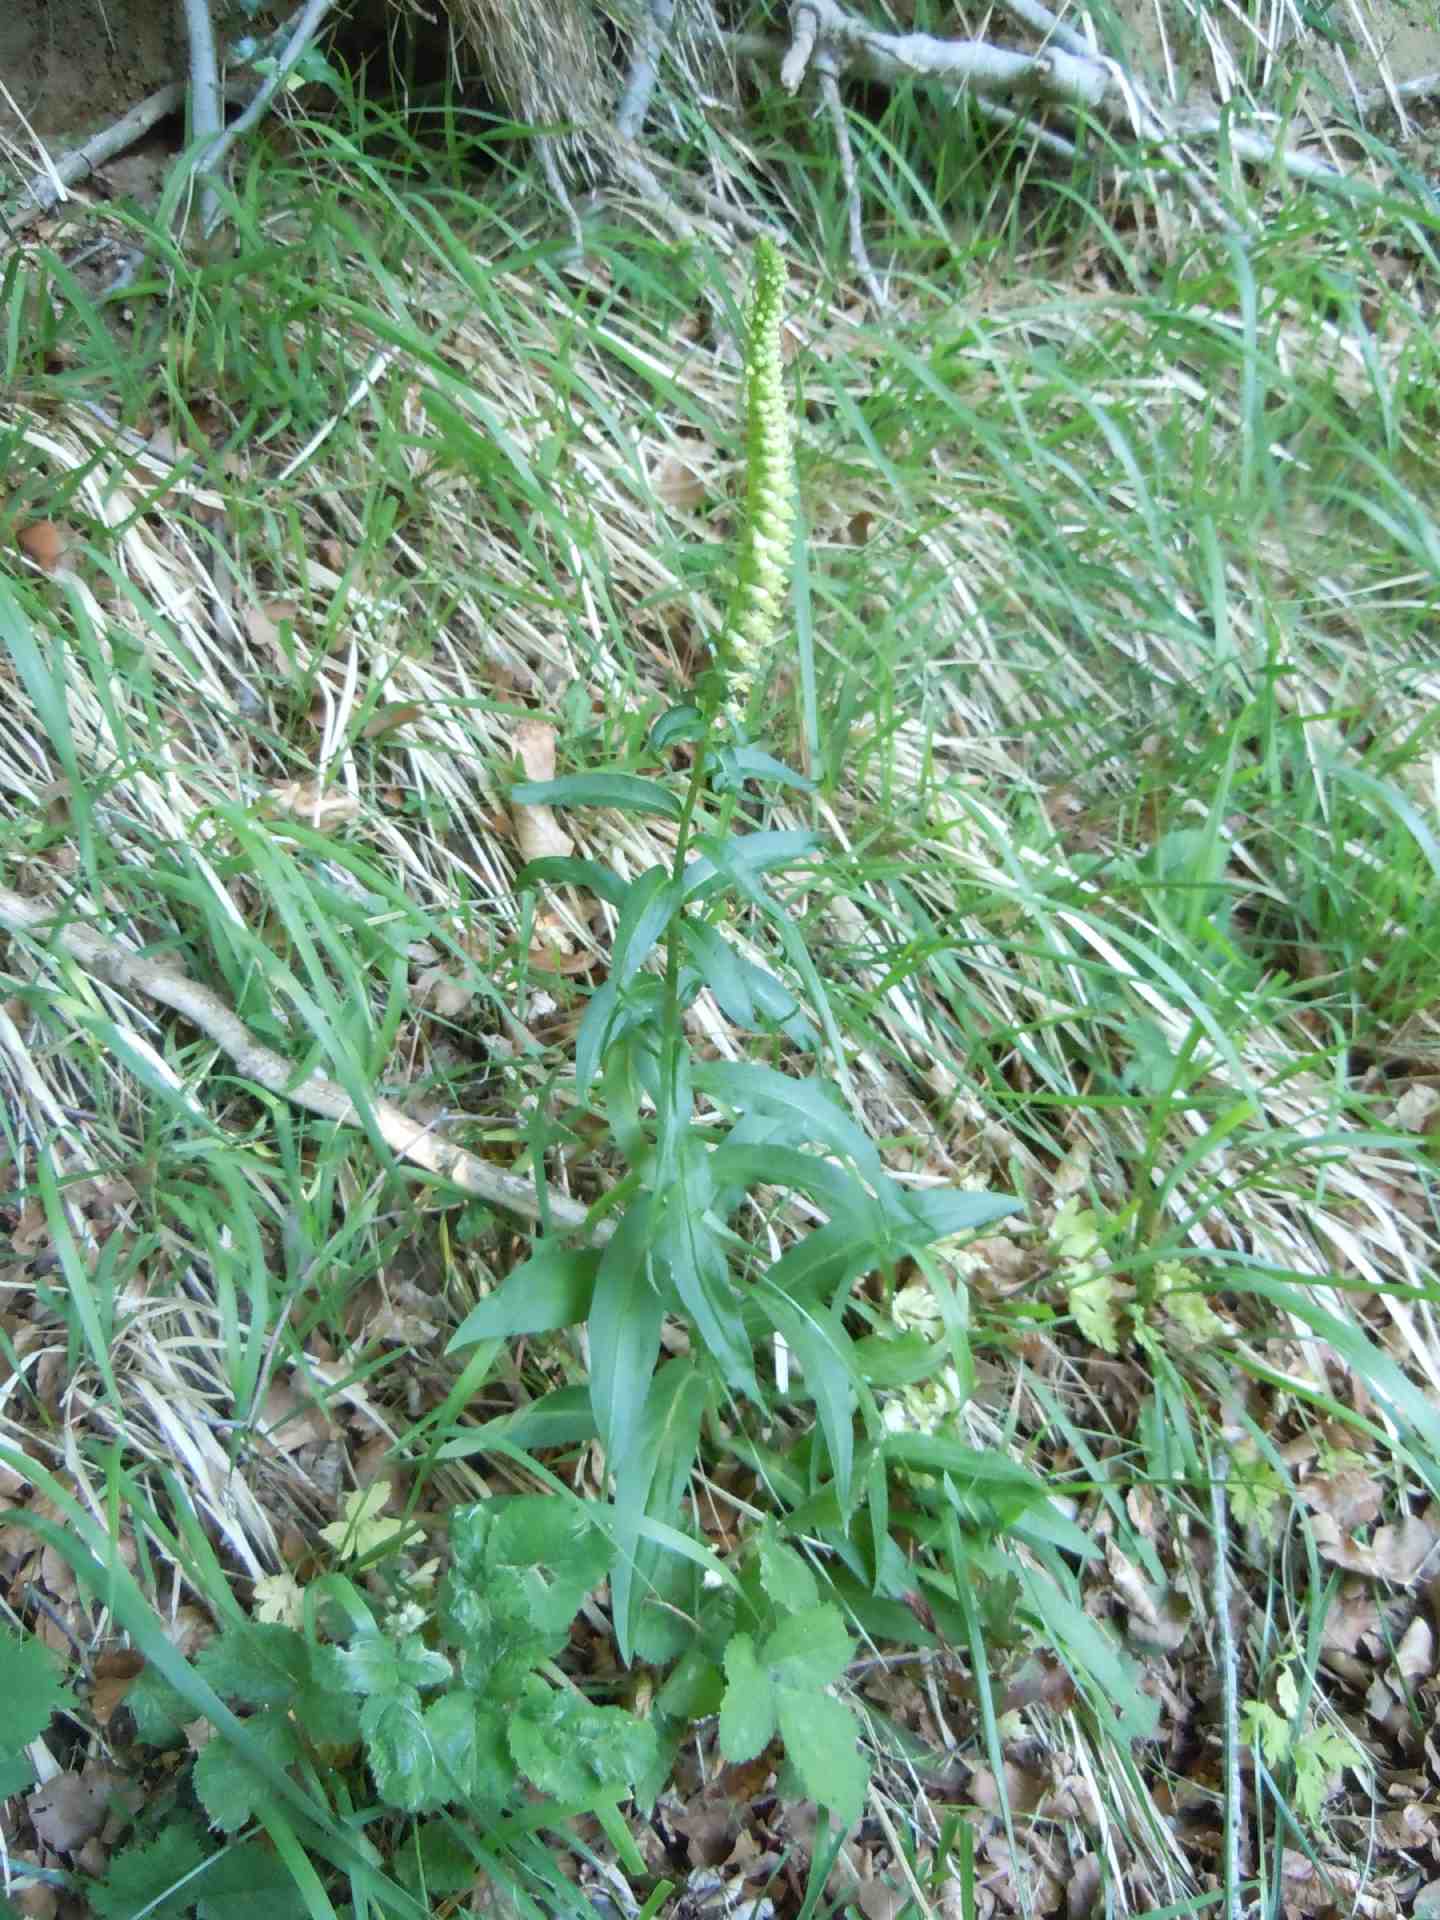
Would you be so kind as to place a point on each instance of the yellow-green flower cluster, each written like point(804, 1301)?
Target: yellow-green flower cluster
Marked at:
point(770, 492)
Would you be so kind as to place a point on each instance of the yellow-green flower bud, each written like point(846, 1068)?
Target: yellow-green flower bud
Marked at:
point(769, 493)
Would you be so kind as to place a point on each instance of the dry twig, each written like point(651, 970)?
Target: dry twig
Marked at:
point(134, 973)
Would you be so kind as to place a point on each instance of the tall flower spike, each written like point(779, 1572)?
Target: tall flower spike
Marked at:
point(770, 489)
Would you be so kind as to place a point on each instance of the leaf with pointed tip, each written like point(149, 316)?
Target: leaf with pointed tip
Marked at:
point(747, 1713)
point(626, 792)
point(551, 1289)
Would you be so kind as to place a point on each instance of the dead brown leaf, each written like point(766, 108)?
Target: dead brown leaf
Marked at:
point(1415, 1655)
point(679, 485)
point(442, 992)
point(386, 719)
point(538, 834)
point(317, 805)
point(880, 1899)
point(45, 543)
point(70, 1809)
point(115, 1674)
point(1350, 1497)
point(1082, 1891)
point(289, 1420)
point(1353, 1615)
point(1024, 1790)
point(265, 622)
point(1158, 1622)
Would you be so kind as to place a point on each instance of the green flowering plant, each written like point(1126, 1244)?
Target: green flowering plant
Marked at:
point(670, 1250)
point(758, 604)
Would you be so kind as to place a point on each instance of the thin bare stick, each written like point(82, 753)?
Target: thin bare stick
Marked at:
point(804, 28)
point(1229, 1689)
point(1079, 79)
point(47, 189)
point(307, 25)
point(156, 980)
point(206, 118)
point(650, 46)
point(835, 108)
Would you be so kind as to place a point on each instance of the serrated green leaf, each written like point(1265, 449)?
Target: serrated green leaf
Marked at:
point(747, 1713)
point(144, 1879)
point(809, 1650)
point(259, 1664)
point(786, 1578)
point(325, 1709)
point(436, 1860)
point(552, 1544)
point(230, 1791)
point(521, 1566)
point(821, 1742)
point(552, 1289)
point(695, 1688)
point(397, 1746)
point(498, 1645)
point(626, 792)
point(364, 1526)
point(375, 1663)
point(899, 1360)
point(574, 1752)
point(30, 1687)
point(472, 1756)
point(1093, 1298)
point(248, 1883)
point(160, 1712)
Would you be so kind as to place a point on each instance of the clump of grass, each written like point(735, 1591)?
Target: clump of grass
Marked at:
point(1107, 704)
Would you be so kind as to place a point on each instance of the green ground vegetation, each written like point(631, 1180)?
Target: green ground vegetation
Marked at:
point(984, 1016)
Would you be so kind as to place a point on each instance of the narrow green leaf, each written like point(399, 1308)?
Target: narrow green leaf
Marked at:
point(743, 858)
point(826, 1358)
point(552, 1289)
point(650, 905)
point(588, 875)
point(809, 1106)
point(739, 764)
point(564, 1418)
point(626, 792)
point(940, 1212)
point(624, 1330)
